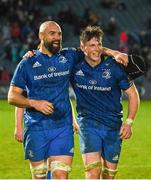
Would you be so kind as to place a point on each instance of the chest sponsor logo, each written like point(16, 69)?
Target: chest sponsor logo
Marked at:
point(93, 82)
point(80, 73)
point(52, 69)
point(36, 64)
point(93, 87)
point(51, 75)
point(106, 74)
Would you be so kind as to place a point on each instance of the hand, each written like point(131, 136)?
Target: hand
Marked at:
point(29, 54)
point(75, 126)
point(18, 133)
point(125, 131)
point(43, 106)
point(121, 58)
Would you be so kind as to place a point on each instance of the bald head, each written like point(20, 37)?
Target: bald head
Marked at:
point(50, 36)
point(47, 24)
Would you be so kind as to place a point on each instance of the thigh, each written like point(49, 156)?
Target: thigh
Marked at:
point(35, 145)
point(111, 147)
point(60, 166)
point(62, 143)
point(91, 157)
point(110, 165)
point(65, 159)
point(90, 141)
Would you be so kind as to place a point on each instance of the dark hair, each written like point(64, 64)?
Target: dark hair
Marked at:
point(89, 32)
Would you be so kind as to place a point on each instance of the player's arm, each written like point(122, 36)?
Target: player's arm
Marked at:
point(18, 133)
point(133, 105)
point(15, 97)
point(121, 58)
point(74, 121)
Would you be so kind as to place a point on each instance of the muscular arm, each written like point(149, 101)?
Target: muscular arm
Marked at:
point(74, 121)
point(120, 57)
point(133, 105)
point(133, 101)
point(16, 98)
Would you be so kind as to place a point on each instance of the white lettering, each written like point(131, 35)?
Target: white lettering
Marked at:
point(95, 88)
point(50, 75)
point(43, 76)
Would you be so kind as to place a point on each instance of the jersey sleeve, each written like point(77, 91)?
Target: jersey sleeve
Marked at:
point(136, 66)
point(19, 77)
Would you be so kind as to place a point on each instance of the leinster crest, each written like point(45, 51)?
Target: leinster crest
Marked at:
point(106, 74)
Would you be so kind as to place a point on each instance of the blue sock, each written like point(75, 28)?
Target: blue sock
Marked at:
point(48, 175)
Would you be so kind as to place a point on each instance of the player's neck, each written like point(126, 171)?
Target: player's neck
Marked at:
point(92, 63)
point(43, 50)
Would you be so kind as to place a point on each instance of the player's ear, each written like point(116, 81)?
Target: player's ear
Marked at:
point(40, 35)
point(81, 46)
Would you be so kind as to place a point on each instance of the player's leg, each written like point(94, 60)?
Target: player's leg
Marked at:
point(48, 175)
point(111, 153)
point(61, 152)
point(92, 164)
point(90, 146)
point(61, 166)
point(35, 151)
point(38, 169)
point(49, 169)
point(109, 170)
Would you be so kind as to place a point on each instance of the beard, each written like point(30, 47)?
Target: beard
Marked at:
point(53, 46)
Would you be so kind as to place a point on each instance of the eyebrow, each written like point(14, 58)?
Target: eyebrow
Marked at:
point(51, 31)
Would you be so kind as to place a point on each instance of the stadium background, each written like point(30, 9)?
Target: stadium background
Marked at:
point(127, 27)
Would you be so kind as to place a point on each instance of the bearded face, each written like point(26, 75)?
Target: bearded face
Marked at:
point(53, 46)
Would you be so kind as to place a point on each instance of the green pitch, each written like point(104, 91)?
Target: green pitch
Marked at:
point(135, 161)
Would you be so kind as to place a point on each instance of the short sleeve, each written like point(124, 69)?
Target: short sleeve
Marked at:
point(19, 77)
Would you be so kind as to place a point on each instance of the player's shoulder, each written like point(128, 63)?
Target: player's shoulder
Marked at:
point(68, 50)
point(29, 60)
point(108, 60)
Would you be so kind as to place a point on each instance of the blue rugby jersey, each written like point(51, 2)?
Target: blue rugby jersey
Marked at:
point(46, 78)
point(98, 93)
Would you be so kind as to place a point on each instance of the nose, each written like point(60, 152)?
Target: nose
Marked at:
point(97, 48)
point(58, 36)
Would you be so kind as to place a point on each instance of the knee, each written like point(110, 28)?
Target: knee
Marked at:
point(109, 173)
point(60, 170)
point(93, 173)
point(93, 170)
point(58, 174)
point(39, 171)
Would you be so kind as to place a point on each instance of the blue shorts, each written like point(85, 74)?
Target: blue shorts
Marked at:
point(103, 140)
point(39, 145)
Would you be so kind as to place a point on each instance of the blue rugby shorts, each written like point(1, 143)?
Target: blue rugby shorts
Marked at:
point(39, 145)
point(103, 140)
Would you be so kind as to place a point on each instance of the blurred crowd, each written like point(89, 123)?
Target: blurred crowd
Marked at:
point(20, 20)
point(18, 29)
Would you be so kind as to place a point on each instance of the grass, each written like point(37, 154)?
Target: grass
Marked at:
point(135, 161)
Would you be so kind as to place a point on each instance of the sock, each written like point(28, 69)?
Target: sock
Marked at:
point(48, 175)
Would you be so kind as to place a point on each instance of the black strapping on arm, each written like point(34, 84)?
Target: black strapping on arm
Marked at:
point(136, 66)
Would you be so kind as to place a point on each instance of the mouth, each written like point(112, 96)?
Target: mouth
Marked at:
point(96, 54)
point(56, 43)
